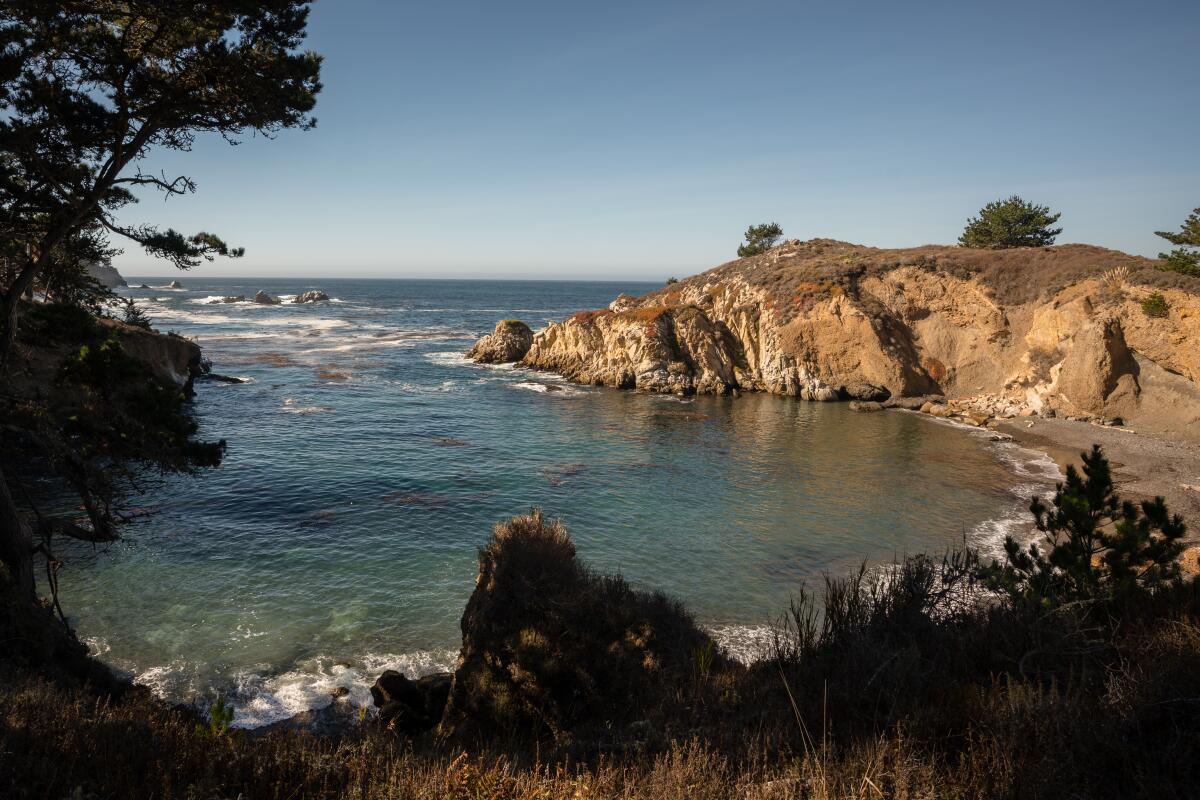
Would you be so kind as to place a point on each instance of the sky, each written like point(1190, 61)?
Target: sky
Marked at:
point(638, 140)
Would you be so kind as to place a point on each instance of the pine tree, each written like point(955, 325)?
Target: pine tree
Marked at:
point(760, 239)
point(1100, 547)
point(1185, 258)
point(1002, 224)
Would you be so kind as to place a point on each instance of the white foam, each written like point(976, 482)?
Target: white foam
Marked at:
point(744, 643)
point(262, 700)
point(290, 407)
point(1039, 472)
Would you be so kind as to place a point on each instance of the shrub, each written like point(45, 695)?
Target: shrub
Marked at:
point(1100, 547)
point(1003, 224)
point(760, 239)
point(1155, 305)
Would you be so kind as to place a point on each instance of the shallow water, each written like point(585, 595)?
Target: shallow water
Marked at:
point(368, 460)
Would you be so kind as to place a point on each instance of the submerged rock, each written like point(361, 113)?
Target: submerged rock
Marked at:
point(311, 296)
point(509, 342)
point(264, 299)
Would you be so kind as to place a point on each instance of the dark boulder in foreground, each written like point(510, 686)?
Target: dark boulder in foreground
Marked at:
point(312, 296)
point(509, 342)
point(411, 707)
point(552, 650)
point(264, 299)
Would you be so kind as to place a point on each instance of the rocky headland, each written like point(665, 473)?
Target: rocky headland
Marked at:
point(1055, 331)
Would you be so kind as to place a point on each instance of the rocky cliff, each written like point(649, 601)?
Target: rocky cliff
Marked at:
point(106, 274)
point(1031, 330)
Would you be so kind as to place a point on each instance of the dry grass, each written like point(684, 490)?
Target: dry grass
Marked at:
point(1014, 276)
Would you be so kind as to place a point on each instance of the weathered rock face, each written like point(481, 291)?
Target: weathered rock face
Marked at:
point(1029, 330)
point(169, 356)
point(106, 274)
point(264, 299)
point(551, 650)
point(311, 296)
point(509, 342)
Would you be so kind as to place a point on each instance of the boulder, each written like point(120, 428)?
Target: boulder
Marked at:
point(865, 405)
point(552, 650)
point(264, 299)
point(509, 342)
point(410, 707)
point(311, 296)
point(241, 298)
point(917, 403)
point(624, 302)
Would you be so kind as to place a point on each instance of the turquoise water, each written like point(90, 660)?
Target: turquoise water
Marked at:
point(368, 461)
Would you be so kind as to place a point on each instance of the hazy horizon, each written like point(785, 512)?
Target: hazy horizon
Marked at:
point(637, 141)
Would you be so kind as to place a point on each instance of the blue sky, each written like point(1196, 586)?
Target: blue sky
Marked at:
point(639, 139)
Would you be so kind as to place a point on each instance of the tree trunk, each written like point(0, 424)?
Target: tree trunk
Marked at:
point(16, 544)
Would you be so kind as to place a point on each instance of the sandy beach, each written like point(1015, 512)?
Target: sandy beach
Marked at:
point(1143, 466)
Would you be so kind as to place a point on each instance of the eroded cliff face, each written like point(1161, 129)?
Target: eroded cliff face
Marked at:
point(1022, 331)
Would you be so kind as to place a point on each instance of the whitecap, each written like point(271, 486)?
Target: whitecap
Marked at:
point(290, 407)
point(744, 643)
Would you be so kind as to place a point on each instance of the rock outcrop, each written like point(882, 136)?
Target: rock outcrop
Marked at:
point(264, 299)
point(509, 342)
point(106, 274)
point(311, 296)
point(174, 285)
point(1028, 330)
point(552, 650)
point(238, 298)
point(411, 707)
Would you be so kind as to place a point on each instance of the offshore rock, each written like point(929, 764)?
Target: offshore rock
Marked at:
point(240, 298)
point(311, 296)
point(509, 342)
point(174, 285)
point(264, 299)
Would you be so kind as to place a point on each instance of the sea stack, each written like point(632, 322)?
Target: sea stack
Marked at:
point(509, 342)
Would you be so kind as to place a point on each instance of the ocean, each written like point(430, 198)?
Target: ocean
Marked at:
point(368, 461)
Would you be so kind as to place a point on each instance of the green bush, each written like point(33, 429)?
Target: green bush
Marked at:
point(1155, 305)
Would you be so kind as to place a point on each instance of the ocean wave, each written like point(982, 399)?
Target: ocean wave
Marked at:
point(261, 699)
point(1038, 473)
point(743, 643)
point(290, 407)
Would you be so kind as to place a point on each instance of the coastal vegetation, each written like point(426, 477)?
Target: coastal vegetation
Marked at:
point(1012, 222)
point(931, 678)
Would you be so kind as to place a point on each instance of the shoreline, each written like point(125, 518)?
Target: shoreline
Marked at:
point(1144, 466)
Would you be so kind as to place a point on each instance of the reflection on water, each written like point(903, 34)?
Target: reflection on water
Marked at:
point(368, 461)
